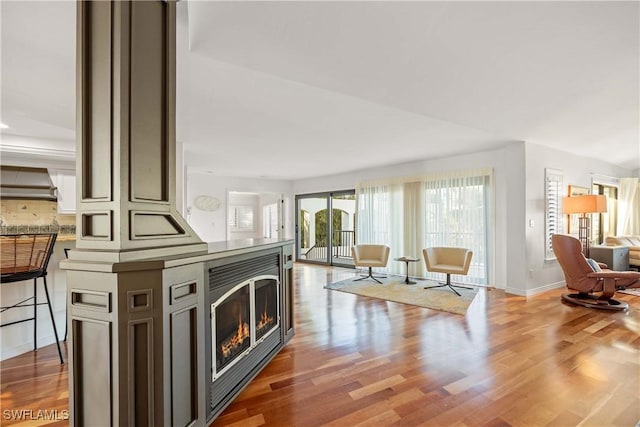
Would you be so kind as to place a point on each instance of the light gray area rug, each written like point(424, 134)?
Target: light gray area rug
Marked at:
point(394, 289)
point(633, 291)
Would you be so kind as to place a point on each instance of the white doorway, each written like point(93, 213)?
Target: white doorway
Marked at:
point(254, 215)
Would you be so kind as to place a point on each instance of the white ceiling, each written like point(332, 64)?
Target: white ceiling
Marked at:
point(339, 86)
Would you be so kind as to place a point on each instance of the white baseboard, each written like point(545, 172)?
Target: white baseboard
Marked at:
point(16, 350)
point(9, 352)
point(534, 291)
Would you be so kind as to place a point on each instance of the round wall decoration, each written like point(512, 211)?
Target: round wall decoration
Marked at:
point(207, 203)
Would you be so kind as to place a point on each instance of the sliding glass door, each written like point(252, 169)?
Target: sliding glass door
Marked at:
point(311, 229)
point(325, 227)
point(343, 227)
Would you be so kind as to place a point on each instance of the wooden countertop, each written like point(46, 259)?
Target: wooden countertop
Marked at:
point(61, 238)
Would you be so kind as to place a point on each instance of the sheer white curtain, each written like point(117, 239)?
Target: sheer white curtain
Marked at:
point(409, 214)
point(629, 207)
point(457, 213)
point(414, 225)
point(379, 217)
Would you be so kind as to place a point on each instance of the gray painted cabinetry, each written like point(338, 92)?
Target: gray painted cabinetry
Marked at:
point(137, 288)
point(140, 339)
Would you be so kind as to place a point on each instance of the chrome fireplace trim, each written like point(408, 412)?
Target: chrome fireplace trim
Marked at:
point(252, 322)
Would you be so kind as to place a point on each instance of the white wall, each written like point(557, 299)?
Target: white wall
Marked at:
point(37, 152)
point(212, 226)
point(514, 251)
point(577, 170)
point(508, 166)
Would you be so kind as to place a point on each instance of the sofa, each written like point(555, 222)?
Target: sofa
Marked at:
point(632, 242)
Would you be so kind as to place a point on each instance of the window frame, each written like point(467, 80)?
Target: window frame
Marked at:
point(553, 193)
point(235, 218)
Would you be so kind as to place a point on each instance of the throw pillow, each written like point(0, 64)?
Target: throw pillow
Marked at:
point(594, 264)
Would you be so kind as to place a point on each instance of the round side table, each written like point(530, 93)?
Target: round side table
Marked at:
point(407, 260)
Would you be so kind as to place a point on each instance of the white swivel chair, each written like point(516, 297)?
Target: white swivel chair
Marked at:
point(449, 261)
point(370, 256)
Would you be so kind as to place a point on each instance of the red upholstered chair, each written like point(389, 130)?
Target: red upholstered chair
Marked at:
point(595, 289)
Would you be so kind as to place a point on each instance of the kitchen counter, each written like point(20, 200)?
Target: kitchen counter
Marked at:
point(62, 230)
point(59, 238)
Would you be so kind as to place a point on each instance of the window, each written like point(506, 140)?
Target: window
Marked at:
point(445, 209)
point(270, 221)
point(457, 214)
point(553, 220)
point(605, 224)
point(241, 218)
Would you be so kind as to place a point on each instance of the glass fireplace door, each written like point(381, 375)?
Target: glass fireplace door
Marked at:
point(266, 300)
point(230, 321)
point(242, 319)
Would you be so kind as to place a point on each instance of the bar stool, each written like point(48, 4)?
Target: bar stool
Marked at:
point(25, 257)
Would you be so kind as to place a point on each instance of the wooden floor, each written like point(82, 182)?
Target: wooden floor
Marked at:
point(510, 361)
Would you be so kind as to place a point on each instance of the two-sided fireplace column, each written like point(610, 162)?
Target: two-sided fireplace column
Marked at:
point(131, 319)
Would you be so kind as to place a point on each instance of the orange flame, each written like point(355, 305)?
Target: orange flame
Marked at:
point(265, 319)
point(236, 340)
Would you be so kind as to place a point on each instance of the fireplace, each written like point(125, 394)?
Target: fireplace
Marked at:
point(266, 306)
point(244, 331)
point(241, 319)
point(230, 324)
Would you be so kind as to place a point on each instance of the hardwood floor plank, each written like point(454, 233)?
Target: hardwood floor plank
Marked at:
point(231, 417)
point(497, 422)
point(370, 415)
point(406, 397)
point(565, 418)
point(596, 327)
point(348, 373)
point(377, 386)
point(255, 421)
point(511, 361)
point(384, 419)
point(346, 359)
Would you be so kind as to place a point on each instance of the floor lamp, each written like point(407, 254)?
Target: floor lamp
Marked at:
point(584, 205)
